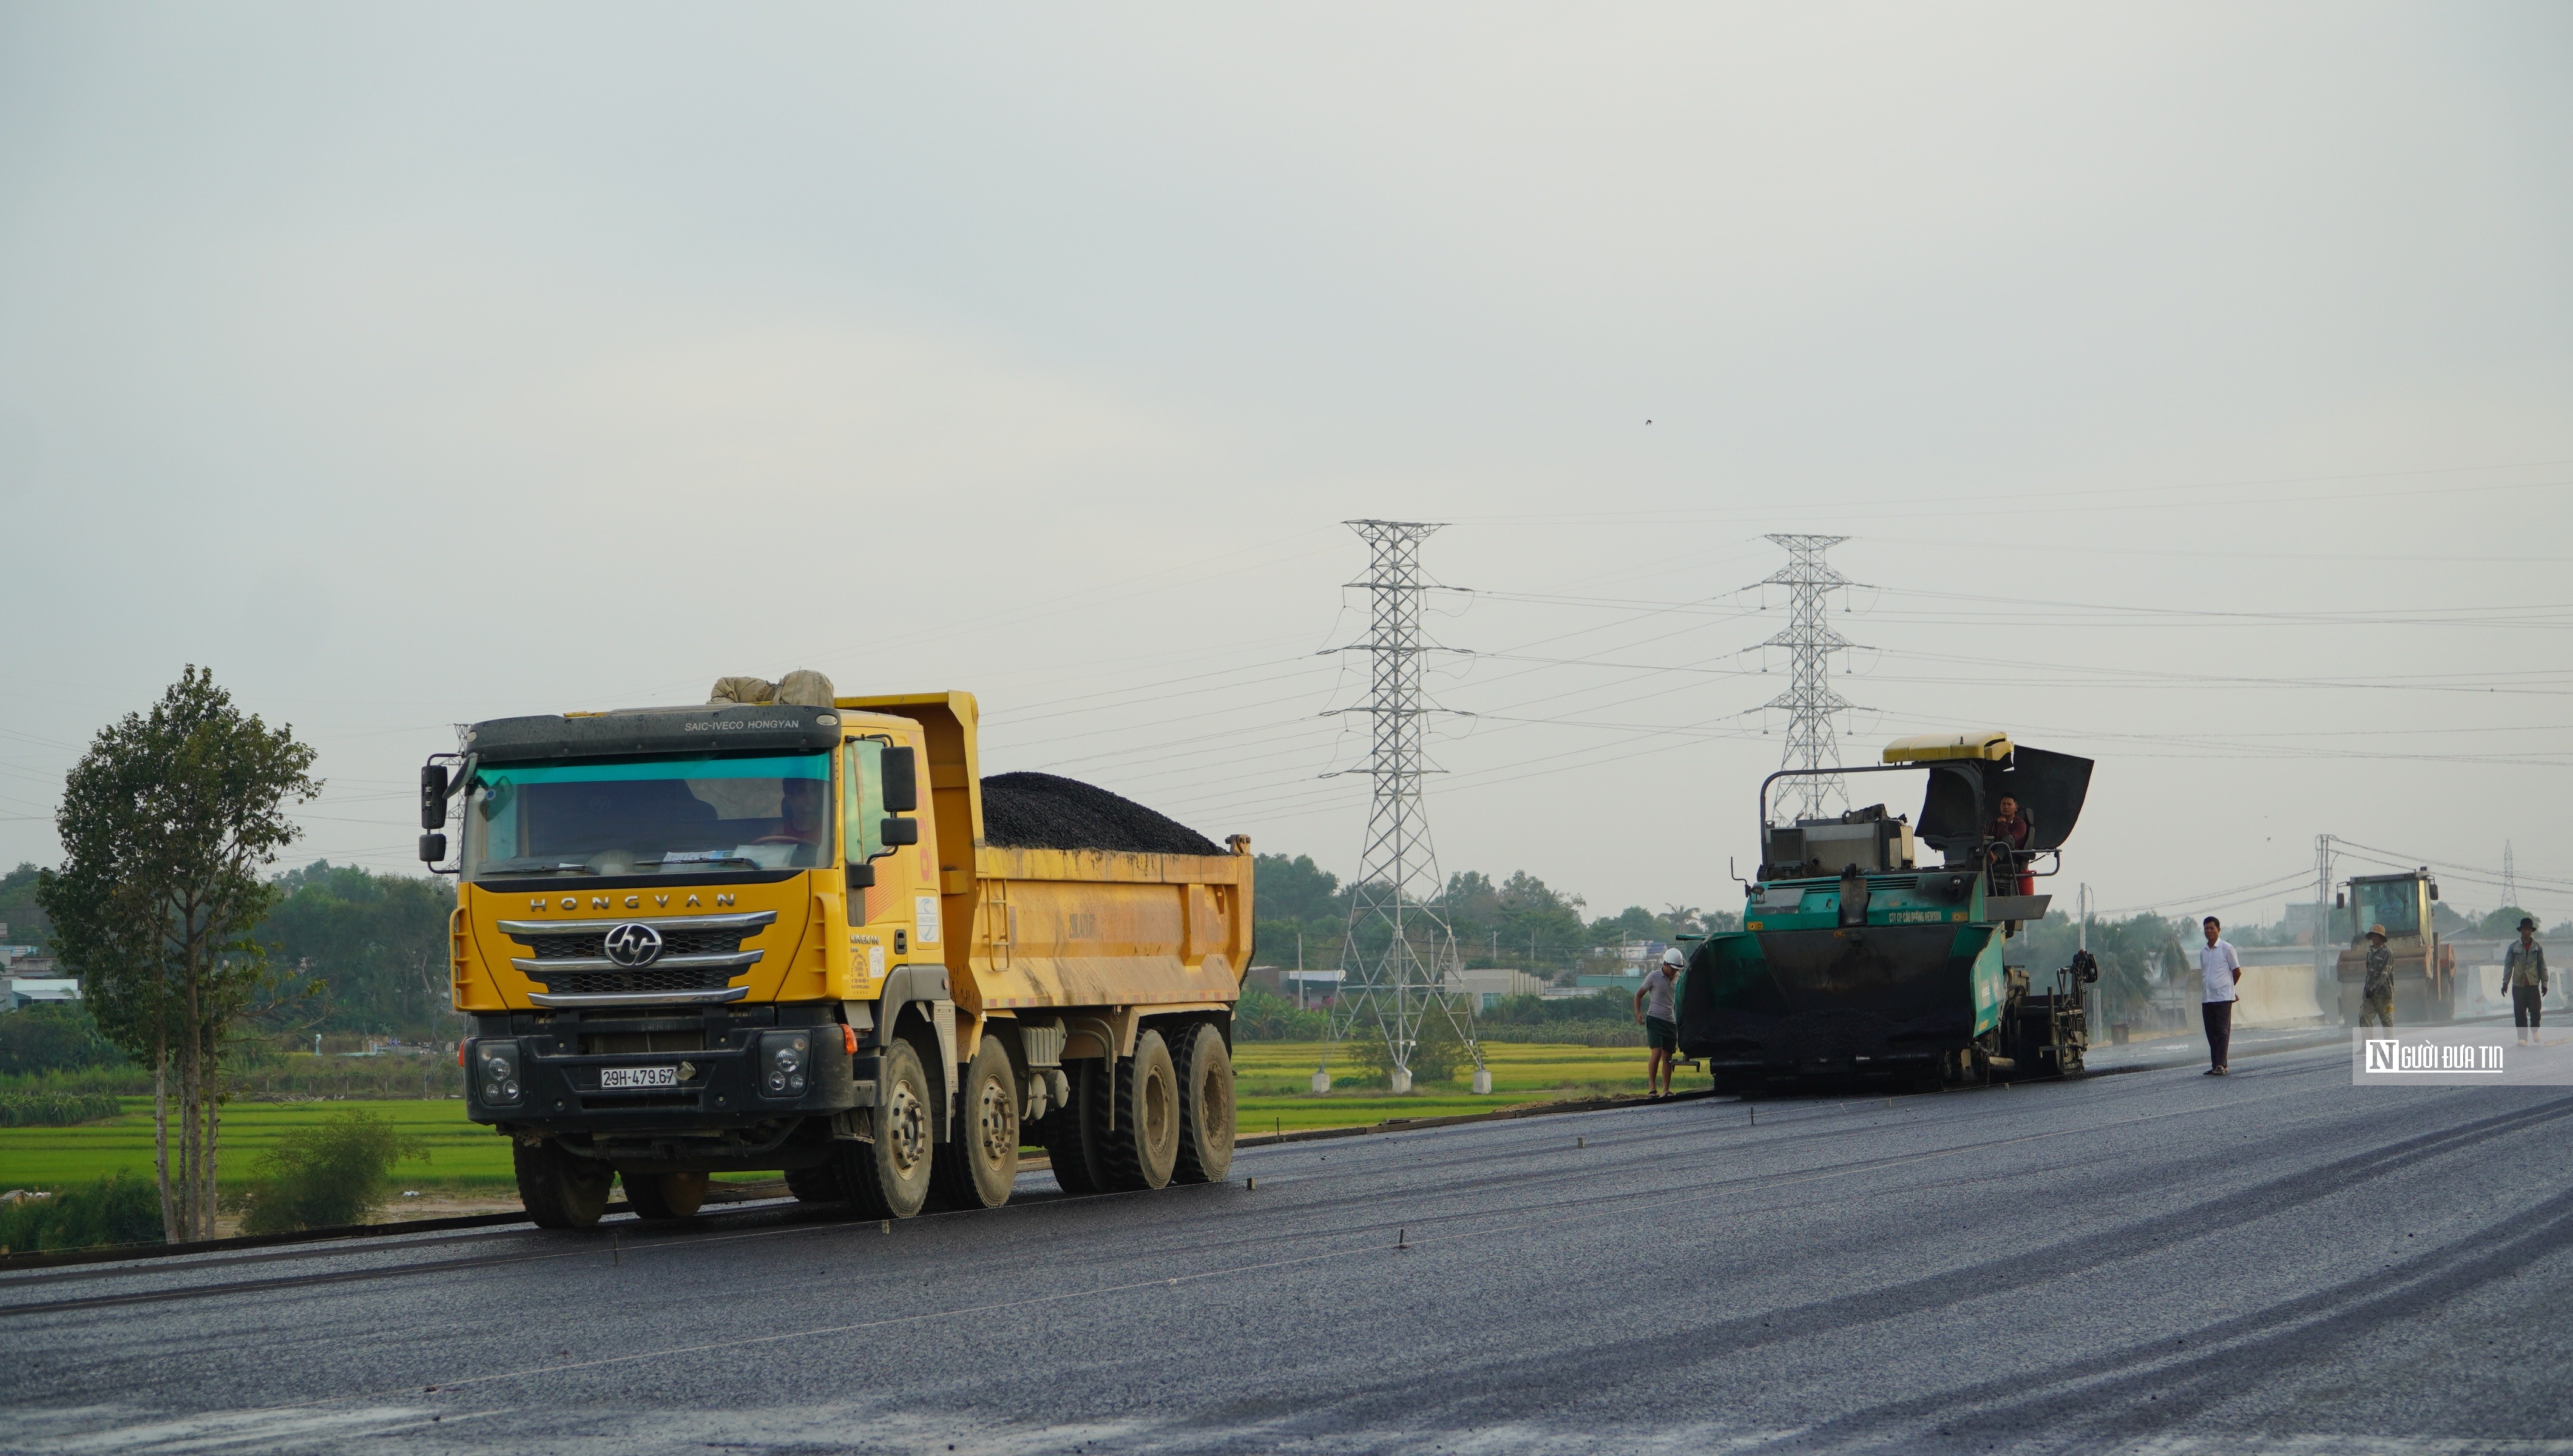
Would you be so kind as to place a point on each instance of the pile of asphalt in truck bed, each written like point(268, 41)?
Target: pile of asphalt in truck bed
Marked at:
point(1041, 811)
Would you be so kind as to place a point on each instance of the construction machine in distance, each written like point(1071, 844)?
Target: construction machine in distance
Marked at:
point(2425, 965)
point(1857, 963)
point(788, 930)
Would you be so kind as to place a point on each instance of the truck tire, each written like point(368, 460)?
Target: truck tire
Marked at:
point(1142, 1146)
point(1065, 1132)
point(559, 1189)
point(978, 1165)
point(889, 1177)
point(664, 1196)
point(818, 1184)
point(1206, 1107)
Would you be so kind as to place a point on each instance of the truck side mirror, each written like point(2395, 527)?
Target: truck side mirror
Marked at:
point(2340, 902)
point(433, 847)
point(901, 830)
point(901, 786)
point(861, 876)
point(432, 800)
point(2434, 889)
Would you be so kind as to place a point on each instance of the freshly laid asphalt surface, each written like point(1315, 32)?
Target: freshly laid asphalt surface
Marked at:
point(2147, 1261)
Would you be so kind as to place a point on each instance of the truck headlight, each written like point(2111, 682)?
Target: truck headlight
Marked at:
point(787, 1055)
point(495, 1072)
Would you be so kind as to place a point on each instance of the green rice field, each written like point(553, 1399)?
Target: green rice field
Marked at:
point(1272, 1078)
point(459, 1152)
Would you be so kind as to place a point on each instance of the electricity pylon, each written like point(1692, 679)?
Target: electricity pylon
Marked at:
point(1810, 703)
point(1398, 897)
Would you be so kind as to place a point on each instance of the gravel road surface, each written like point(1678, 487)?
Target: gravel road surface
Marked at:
point(2147, 1261)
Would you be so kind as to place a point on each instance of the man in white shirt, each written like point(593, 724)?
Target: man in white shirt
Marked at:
point(1655, 1008)
point(2221, 970)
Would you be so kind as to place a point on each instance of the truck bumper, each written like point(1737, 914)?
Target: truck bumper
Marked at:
point(742, 1076)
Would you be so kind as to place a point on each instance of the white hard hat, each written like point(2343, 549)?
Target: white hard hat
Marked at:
point(1675, 958)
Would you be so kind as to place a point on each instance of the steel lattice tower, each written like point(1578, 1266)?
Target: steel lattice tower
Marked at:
point(1812, 741)
point(1398, 895)
point(2509, 877)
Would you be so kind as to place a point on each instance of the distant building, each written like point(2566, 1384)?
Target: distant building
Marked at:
point(18, 991)
point(1309, 987)
point(1493, 983)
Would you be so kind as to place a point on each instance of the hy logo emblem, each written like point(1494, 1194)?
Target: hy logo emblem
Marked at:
point(631, 944)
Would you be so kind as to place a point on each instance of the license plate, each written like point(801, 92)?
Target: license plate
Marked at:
point(615, 1077)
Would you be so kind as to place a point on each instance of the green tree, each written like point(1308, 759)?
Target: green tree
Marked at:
point(377, 944)
point(114, 1210)
point(328, 1174)
point(2136, 956)
point(56, 1037)
point(1437, 1057)
point(1263, 1016)
point(1518, 922)
point(2504, 924)
point(1297, 889)
point(18, 908)
point(167, 823)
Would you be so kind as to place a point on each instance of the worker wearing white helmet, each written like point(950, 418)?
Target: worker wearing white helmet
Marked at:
point(1656, 1007)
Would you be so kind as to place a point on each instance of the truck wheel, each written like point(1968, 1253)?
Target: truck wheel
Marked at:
point(979, 1164)
point(1206, 1107)
point(559, 1189)
point(820, 1184)
point(889, 1177)
point(1065, 1135)
point(664, 1196)
point(1144, 1147)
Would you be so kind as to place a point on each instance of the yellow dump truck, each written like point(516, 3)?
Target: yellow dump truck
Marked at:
point(772, 934)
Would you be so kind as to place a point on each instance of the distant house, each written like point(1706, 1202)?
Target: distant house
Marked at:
point(1311, 987)
point(1493, 983)
point(18, 991)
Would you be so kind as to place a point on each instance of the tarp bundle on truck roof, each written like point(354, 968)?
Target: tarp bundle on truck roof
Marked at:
point(1045, 811)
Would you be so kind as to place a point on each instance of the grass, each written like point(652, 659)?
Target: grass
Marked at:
point(460, 1154)
point(1273, 1082)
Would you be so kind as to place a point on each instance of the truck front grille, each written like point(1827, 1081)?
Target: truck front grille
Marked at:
point(701, 956)
point(592, 944)
point(636, 983)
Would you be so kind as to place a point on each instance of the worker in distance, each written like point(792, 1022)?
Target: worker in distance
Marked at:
point(1656, 1008)
point(2376, 997)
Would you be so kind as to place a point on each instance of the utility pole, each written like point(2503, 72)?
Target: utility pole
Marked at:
point(1809, 701)
point(2326, 958)
point(1397, 896)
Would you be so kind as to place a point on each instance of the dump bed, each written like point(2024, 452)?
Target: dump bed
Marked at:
point(1054, 926)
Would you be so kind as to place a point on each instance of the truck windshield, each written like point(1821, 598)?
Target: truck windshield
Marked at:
point(663, 816)
point(2393, 904)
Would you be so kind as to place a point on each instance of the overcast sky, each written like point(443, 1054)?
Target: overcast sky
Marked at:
point(2195, 384)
